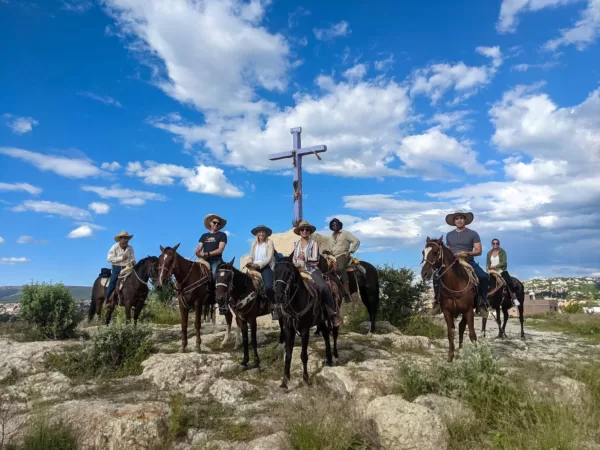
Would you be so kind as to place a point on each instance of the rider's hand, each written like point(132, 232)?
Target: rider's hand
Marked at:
point(301, 256)
point(348, 255)
point(255, 266)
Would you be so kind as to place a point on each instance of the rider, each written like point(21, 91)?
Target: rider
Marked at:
point(496, 260)
point(466, 243)
point(343, 244)
point(119, 255)
point(306, 255)
point(211, 246)
point(262, 256)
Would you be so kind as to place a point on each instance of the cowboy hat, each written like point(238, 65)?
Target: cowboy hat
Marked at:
point(210, 217)
point(264, 228)
point(124, 234)
point(305, 224)
point(335, 220)
point(468, 217)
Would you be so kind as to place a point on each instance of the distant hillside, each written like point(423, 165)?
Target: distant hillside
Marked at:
point(12, 294)
point(584, 288)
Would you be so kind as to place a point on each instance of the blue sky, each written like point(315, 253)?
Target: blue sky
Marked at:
point(146, 115)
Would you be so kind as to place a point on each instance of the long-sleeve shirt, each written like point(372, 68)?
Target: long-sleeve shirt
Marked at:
point(118, 256)
point(344, 242)
point(262, 258)
point(311, 255)
point(502, 265)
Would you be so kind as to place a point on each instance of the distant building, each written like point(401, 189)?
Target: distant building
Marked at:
point(531, 295)
point(540, 306)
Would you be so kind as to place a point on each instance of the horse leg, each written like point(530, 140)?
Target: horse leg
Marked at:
point(461, 330)
point(127, 313)
point(328, 359)
point(281, 344)
point(183, 314)
point(483, 325)
point(498, 322)
point(289, 348)
point(318, 330)
point(471, 325)
point(228, 319)
point(243, 325)
point(254, 342)
point(505, 311)
point(198, 323)
point(450, 327)
point(136, 313)
point(109, 310)
point(520, 307)
point(335, 333)
point(304, 355)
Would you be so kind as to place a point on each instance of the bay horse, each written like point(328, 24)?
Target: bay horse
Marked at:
point(367, 285)
point(133, 294)
point(499, 297)
point(301, 310)
point(458, 291)
point(238, 291)
point(193, 288)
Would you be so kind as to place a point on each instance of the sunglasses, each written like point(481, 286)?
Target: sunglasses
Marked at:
point(495, 243)
point(214, 222)
point(304, 229)
point(459, 218)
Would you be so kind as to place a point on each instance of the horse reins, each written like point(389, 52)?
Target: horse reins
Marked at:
point(185, 290)
point(443, 265)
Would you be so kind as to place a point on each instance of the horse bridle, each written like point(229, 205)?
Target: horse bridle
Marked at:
point(191, 287)
point(228, 286)
point(442, 266)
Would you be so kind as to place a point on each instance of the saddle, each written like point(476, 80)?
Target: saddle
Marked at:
point(204, 265)
point(104, 275)
point(311, 287)
point(500, 283)
point(257, 280)
point(470, 271)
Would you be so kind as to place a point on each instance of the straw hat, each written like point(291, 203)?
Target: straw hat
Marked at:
point(468, 217)
point(304, 224)
point(124, 234)
point(210, 217)
point(264, 228)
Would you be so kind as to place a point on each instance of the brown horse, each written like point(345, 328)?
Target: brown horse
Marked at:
point(238, 291)
point(193, 287)
point(458, 291)
point(132, 295)
point(499, 297)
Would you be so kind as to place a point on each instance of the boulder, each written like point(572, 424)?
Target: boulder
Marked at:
point(25, 358)
point(569, 391)
point(230, 391)
point(277, 441)
point(448, 409)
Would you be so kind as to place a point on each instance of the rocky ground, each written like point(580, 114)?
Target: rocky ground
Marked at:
point(227, 408)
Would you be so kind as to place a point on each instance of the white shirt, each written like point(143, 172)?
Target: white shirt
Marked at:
point(119, 256)
point(495, 260)
point(260, 252)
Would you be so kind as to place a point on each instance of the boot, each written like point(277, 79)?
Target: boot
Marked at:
point(347, 296)
point(436, 308)
point(513, 296)
point(482, 307)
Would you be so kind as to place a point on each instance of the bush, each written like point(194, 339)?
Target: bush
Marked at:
point(163, 294)
point(156, 311)
point(43, 435)
point(50, 310)
point(573, 308)
point(401, 294)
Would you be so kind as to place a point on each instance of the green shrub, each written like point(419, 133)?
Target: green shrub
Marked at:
point(163, 294)
point(156, 311)
point(401, 294)
point(573, 308)
point(420, 325)
point(50, 310)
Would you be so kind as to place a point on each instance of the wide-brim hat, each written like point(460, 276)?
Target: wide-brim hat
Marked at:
point(124, 234)
point(210, 217)
point(335, 220)
point(305, 224)
point(264, 228)
point(468, 217)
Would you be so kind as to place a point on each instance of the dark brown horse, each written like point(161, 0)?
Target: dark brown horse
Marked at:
point(301, 310)
point(193, 287)
point(458, 291)
point(133, 295)
point(499, 297)
point(237, 290)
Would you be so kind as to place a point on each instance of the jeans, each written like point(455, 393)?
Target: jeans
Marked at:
point(317, 276)
point(267, 276)
point(214, 264)
point(342, 263)
point(114, 277)
point(508, 280)
point(484, 279)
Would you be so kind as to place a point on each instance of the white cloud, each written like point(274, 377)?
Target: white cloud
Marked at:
point(454, 119)
point(511, 9)
point(52, 208)
point(220, 44)
point(110, 166)
point(341, 28)
point(201, 179)
point(437, 79)
point(77, 6)
point(124, 195)
point(1, 240)
point(99, 208)
point(81, 232)
point(525, 67)
point(26, 187)
point(102, 99)
point(356, 73)
point(30, 240)
point(583, 33)
point(293, 17)
point(383, 64)
point(13, 260)
point(93, 226)
point(19, 125)
point(66, 167)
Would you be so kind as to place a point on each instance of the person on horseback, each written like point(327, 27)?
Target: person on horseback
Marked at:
point(262, 256)
point(211, 246)
point(119, 255)
point(496, 260)
point(343, 244)
point(306, 256)
point(465, 243)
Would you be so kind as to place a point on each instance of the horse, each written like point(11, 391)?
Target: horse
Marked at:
point(193, 289)
point(367, 285)
point(238, 291)
point(301, 309)
point(499, 297)
point(458, 290)
point(133, 294)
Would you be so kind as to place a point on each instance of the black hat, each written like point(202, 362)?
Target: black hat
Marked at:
point(264, 228)
point(335, 220)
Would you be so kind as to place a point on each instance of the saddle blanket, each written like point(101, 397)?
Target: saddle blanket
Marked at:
point(105, 281)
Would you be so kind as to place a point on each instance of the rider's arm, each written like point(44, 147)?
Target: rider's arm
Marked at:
point(112, 255)
point(354, 243)
point(476, 249)
point(199, 248)
point(131, 255)
point(502, 264)
point(313, 257)
point(268, 255)
point(218, 251)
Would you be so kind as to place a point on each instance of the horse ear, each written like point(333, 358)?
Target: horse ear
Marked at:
point(291, 256)
point(176, 247)
point(162, 250)
point(441, 239)
point(231, 263)
point(427, 240)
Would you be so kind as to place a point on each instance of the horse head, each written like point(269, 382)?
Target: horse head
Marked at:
point(167, 263)
point(147, 268)
point(224, 281)
point(284, 277)
point(432, 257)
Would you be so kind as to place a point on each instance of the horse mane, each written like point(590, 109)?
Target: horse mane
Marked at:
point(144, 260)
point(457, 268)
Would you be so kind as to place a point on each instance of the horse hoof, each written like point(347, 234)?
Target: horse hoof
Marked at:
point(284, 386)
point(182, 350)
point(255, 367)
point(329, 363)
point(243, 366)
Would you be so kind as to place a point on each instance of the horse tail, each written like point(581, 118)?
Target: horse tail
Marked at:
point(92, 309)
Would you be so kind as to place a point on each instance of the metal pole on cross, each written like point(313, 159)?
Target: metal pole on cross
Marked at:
point(296, 154)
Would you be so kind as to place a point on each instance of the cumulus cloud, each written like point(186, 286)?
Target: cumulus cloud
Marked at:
point(52, 208)
point(110, 166)
point(63, 166)
point(356, 73)
point(13, 260)
point(342, 28)
point(511, 9)
point(81, 232)
point(99, 208)
point(201, 179)
point(18, 124)
point(30, 240)
point(125, 196)
point(25, 187)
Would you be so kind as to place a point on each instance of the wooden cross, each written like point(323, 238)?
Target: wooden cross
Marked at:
point(296, 154)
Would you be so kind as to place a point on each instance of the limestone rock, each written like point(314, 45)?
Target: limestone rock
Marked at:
point(230, 391)
point(569, 391)
point(46, 386)
point(448, 409)
point(277, 441)
point(405, 425)
point(24, 358)
point(381, 327)
point(338, 379)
